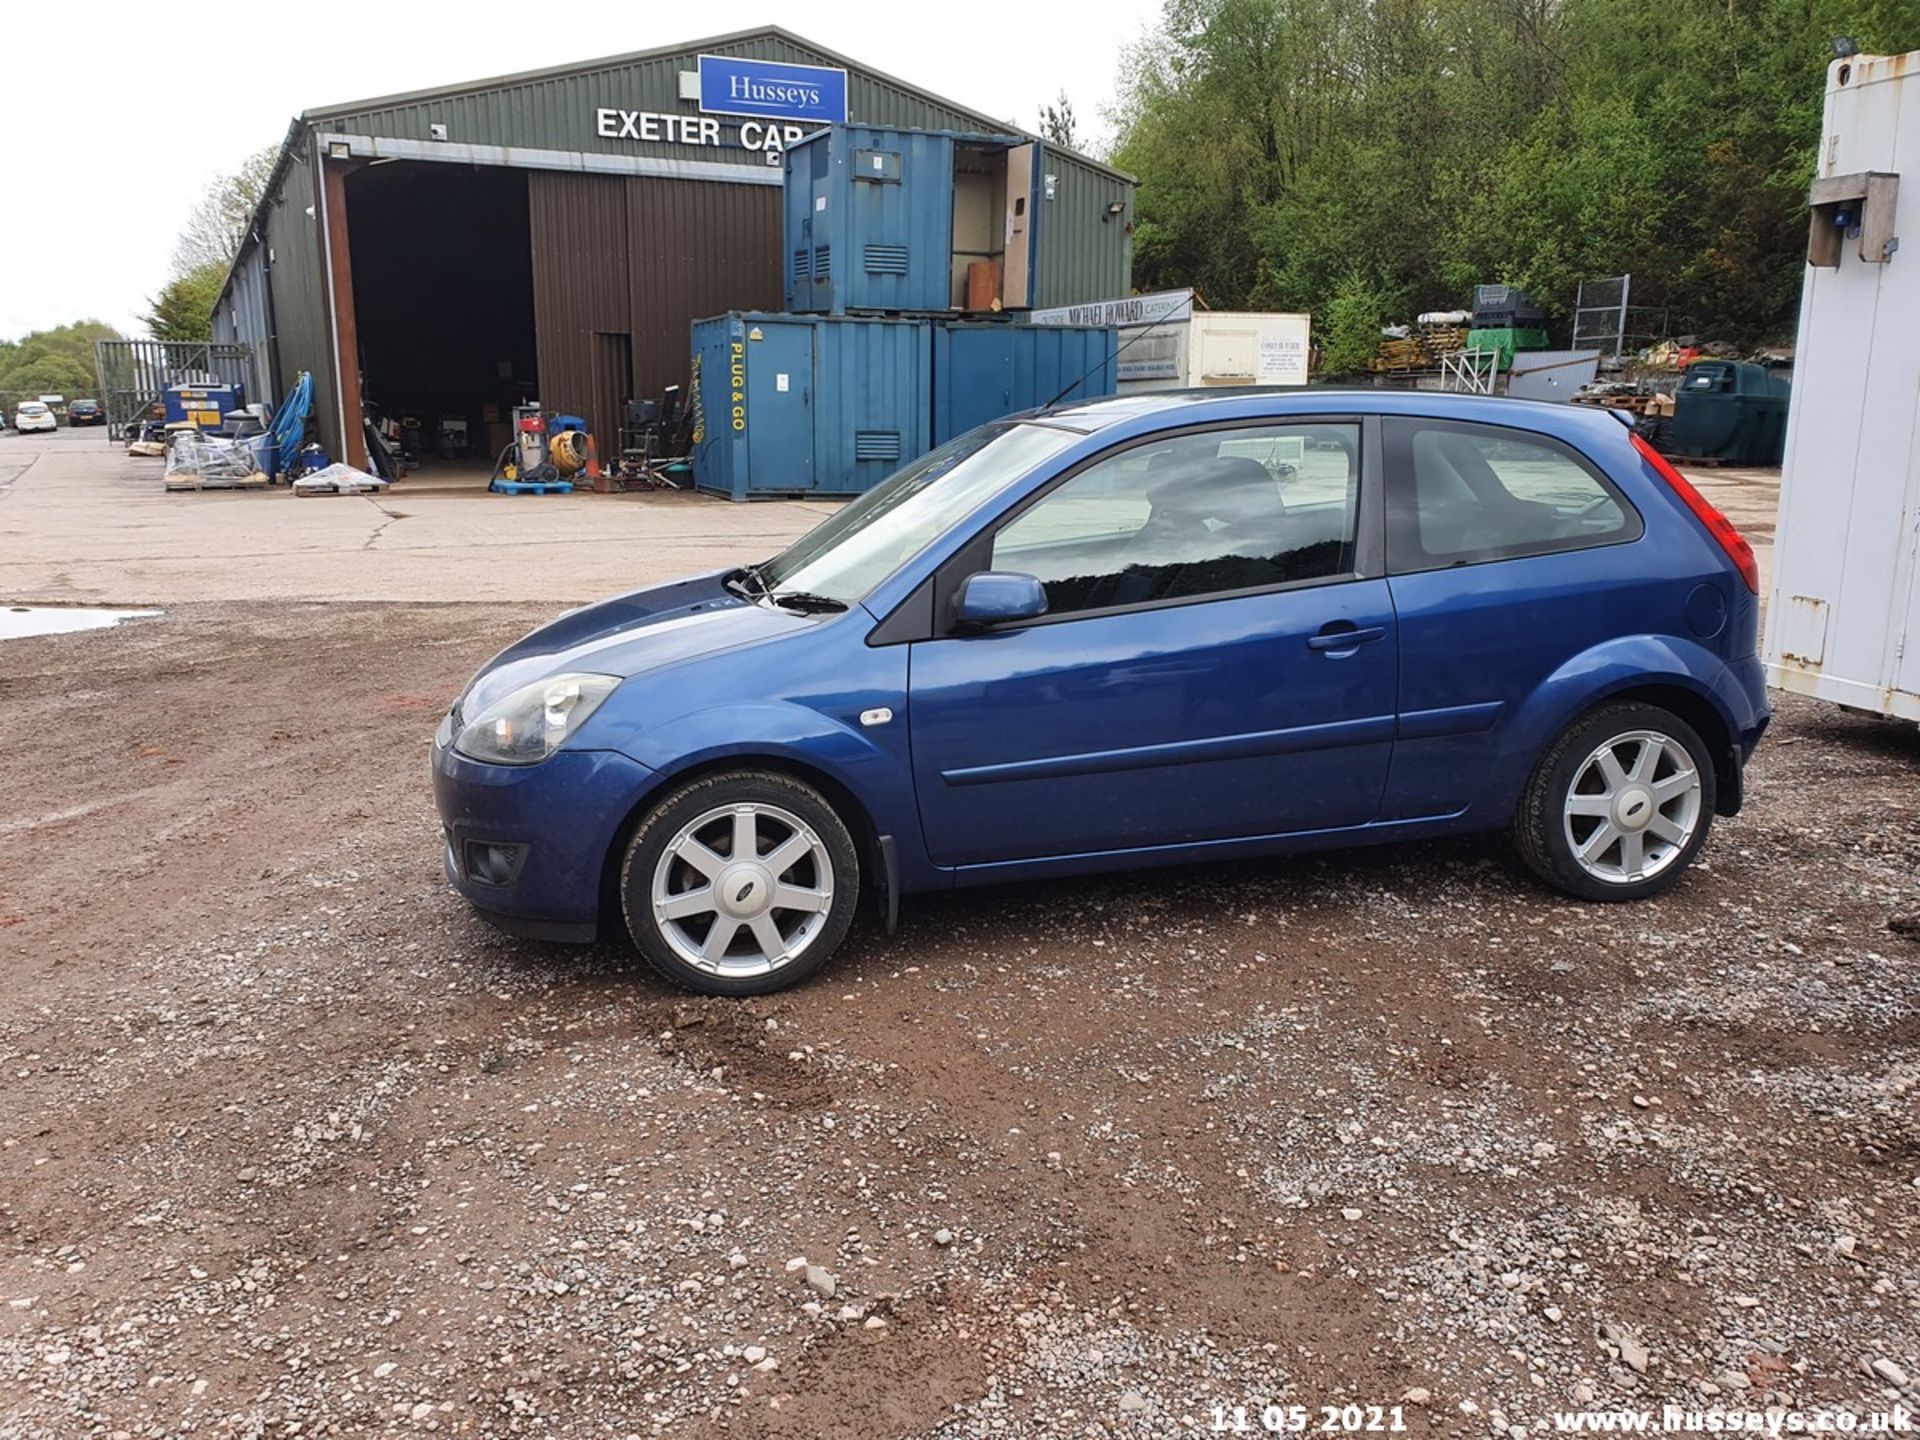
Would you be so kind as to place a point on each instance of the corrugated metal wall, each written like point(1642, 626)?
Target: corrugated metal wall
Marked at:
point(695, 248)
point(556, 111)
point(296, 271)
point(642, 257)
point(579, 227)
point(241, 319)
point(1085, 254)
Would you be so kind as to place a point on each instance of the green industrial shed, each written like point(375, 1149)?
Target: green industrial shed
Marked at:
point(551, 235)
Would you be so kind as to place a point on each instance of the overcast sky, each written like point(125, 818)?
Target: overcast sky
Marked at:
point(114, 128)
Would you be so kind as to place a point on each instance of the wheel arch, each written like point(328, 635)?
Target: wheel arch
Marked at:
point(1676, 675)
point(1707, 721)
point(848, 806)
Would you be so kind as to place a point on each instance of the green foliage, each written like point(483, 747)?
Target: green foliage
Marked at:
point(1312, 154)
point(52, 362)
point(219, 222)
point(183, 310)
point(1351, 334)
point(1057, 124)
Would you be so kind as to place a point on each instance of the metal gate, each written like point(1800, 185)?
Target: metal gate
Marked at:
point(135, 373)
point(1471, 372)
point(1603, 319)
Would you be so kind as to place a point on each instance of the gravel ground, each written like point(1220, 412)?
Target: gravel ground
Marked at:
point(293, 1144)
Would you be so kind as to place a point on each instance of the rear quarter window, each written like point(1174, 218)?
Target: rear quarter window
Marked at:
point(1462, 494)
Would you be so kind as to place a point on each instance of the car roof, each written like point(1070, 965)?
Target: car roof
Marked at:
point(1183, 407)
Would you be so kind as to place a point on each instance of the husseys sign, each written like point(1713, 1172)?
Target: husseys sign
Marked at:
point(770, 90)
point(759, 105)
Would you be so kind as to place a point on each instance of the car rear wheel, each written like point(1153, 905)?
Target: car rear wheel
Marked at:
point(741, 883)
point(1619, 805)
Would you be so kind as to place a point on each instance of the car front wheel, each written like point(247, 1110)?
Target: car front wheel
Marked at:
point(1619, 805)
point(740, 883)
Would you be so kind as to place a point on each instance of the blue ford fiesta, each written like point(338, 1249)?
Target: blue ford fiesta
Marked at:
point(1155, 630)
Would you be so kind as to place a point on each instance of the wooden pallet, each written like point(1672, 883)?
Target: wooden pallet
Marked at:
point(532, 487)
point(188, 482)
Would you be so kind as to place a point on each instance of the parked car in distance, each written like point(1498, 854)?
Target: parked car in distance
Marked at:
point(32, 415)
point(1163, 629)
point(86, 412)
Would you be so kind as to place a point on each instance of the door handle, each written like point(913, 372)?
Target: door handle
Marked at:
point(1348, 639)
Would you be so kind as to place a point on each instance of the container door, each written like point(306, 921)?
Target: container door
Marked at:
point(1023, 185)
point(779, 404)
point(875, 401)
point(796, 262)
point(979, 380)
point(821, 223)
point(1228, 353)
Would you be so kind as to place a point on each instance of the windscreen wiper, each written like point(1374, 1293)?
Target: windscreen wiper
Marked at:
point(805, 601)
point(745, 582)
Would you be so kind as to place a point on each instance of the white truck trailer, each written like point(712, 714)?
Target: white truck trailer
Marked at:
point(1843, 612)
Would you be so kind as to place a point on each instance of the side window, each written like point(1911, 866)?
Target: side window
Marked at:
point(1458, 494)
point(1194, 515)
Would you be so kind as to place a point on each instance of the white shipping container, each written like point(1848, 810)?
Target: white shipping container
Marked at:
point(1168, 343)
point(1843, 613)
point(1217, 347)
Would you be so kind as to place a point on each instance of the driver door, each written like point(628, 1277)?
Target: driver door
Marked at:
point(1218, 661)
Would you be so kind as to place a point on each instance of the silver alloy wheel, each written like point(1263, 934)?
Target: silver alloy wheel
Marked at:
point(1633, 806)
point(743, 890)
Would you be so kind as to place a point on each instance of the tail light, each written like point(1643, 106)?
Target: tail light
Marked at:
point(1721, 528)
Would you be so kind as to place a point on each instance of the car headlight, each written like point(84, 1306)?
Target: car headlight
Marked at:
point(529, 724)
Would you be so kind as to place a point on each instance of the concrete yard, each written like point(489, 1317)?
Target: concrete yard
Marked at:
point(83, 521)
point(294, 1144)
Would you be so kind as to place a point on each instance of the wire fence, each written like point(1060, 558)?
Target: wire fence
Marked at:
point(1605, 319)
point(134, 374)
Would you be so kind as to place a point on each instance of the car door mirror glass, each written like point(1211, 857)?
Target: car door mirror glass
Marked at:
point(996, 597)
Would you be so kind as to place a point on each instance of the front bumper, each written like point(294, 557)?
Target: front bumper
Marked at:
point(558, 821)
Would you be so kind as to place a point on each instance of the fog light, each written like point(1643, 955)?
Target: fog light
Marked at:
point(489, 863)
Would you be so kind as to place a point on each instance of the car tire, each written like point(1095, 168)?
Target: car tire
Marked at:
point(684, 875)
point(1655, 795)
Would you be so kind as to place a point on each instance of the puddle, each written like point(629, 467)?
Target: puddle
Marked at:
point(19, 621)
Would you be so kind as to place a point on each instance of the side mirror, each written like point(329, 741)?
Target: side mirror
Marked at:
point(995, 597)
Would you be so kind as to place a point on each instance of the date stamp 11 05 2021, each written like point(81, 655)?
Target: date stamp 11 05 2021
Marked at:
point(1256, 1419)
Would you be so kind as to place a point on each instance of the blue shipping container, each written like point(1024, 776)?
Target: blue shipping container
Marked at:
point(809, 404)
point(982, 371)
point(881, 219)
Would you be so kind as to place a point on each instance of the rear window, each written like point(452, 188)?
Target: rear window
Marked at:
point(34, 409)
point(1461, 494)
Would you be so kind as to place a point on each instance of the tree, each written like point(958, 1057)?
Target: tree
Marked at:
point(183, 310)
point(1057, 123)
point(219, 222)
point(1299, 154)
point(52, 362)
point(1351, 332)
